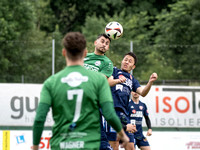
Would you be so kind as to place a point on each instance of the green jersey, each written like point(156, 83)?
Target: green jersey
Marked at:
point(74, 95)
point(98, 63)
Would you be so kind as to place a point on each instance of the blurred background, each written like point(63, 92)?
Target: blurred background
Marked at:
point(164, 34)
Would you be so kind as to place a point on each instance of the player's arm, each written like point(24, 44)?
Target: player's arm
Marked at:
point(144, 91)
point(112, 82)
point(148, 123)
point(130, 128)
point(41, 113)
point(108, 71)
point(38, 125)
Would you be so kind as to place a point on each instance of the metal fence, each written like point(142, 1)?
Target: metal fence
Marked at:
point(29, 79)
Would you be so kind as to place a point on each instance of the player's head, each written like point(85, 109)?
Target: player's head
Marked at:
point(102, 43)
point(134, 95)
point(104, 35)
point(129, 61)
point(74, 45)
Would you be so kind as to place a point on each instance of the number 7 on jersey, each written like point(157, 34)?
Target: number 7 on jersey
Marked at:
point(70, 95)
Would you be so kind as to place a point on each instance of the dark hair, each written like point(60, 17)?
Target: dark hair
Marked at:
point(104, 35)
point(75, 44)
point(133, 55)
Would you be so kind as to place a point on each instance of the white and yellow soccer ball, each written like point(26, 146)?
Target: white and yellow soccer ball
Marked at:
point(114, 30)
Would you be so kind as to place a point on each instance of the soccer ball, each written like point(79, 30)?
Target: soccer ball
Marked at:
point(114, 30)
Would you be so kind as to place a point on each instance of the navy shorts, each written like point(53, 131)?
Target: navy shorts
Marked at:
point(141, 141)
point(104, 145)
point(112, 134)
point(104, 141)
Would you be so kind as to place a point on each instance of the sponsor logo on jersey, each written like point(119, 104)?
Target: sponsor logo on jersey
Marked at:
point(137, 114)
point(74, 79)
point(119, 87)
point(128, 83)
point(120, 76)
point(97, 63)
point(140, 107)
point(91, 67)
point(133, 111)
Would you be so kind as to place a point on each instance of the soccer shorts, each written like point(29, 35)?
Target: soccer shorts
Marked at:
point(111, 133)
point(141, 141)
point(104, 145)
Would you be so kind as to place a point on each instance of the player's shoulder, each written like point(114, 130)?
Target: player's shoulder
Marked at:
point(131, 102)
point(95, 74)
point(116, 69)
point(142, 103)
point(90, 54)
point(106, 58)
point(51, 80)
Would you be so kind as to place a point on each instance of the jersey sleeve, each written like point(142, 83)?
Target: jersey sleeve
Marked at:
point(135, 84)
point(45, 95)
point(107, 69)
point(104, 91)
point(39, 121)
point(114, 72)
point(145, 110)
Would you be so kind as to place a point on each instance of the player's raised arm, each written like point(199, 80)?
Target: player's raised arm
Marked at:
point(144, 91)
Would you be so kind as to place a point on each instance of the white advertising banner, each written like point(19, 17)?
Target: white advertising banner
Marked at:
point(168, 106)
point(22, 140)
point(173, 141)
point(174, 106)
point(19, 103)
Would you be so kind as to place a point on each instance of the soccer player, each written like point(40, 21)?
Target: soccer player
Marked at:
point(121, 95)
point(99, 62)
point(137, 110)
point(75, 96)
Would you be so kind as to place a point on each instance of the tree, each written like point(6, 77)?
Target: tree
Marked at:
point(16, 19)
point(24, 48)
point(46, 20)
point(176, 36)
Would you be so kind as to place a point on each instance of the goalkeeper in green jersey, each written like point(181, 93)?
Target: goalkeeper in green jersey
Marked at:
point(75, 95)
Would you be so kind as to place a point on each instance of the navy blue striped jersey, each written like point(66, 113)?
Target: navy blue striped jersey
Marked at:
point(121, 92)
point(136, 113)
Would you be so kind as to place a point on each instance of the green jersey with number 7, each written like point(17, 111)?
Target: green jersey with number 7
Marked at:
point(75, 95)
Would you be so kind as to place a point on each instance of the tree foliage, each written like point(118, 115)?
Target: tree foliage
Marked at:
point(16, 19)
point(176, 35)
point(164, 35)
